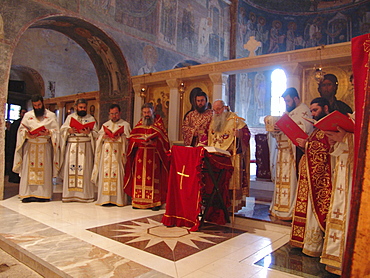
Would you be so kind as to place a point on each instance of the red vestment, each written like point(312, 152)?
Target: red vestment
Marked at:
point(361, 72)
point(146, 170)
point(195, 128)
point(314, 185)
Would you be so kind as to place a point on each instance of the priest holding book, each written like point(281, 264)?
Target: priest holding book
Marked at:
point(110, 158)
point(78, 134)
point(288, 155)
point(36, 157)
point(314, 187)
point(146, 170)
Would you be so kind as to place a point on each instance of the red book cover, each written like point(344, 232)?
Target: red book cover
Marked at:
point(111, 134)
point(79, 126)
point(291, 129)
point(333, 120)
point(36, 130)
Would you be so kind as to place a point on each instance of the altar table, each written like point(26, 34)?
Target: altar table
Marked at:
point(197, 188)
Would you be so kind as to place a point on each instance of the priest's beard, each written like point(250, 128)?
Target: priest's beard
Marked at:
point(39, 112)
point(291, 108)
point(320, 116)
point(219, 121)
point(201, 109)
point(148, 120)
point(81, 113)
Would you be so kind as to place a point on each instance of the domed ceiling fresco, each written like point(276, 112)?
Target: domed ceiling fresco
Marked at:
point(302, 6)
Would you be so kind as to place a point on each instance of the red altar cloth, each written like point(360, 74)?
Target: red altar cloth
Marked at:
point(190, 182)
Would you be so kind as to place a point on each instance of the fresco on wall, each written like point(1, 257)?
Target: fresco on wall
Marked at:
point(192, 28)
point(264, 27)
point(253, 97)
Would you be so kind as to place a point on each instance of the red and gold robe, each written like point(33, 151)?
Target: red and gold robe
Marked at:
point(195, 128)
point(313, 196)
point(147, 165)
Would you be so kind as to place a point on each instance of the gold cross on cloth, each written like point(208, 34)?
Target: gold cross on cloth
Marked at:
point(182, 175)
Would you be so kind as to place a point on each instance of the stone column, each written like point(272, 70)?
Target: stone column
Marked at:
point(5, 62)
point(62, 112)
point(173, 111)
point(138, 102)
point(219, 80)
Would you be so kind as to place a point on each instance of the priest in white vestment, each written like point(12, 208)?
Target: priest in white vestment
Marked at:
point(77, 149)
point(339, 210)
point(287, 158)
point(36, 157)
point(110, 158)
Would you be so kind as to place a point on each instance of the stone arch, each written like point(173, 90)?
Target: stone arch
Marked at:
point(110, 65)
point(33, 79)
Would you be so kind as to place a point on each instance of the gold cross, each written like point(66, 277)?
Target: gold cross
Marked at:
point(182, 175)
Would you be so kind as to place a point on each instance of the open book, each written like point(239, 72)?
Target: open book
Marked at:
point(291, 129)
point(111, 134)
point(217, 151)
point(35, 131)
point(79, 126)
point(143, 137)
point(331, 121)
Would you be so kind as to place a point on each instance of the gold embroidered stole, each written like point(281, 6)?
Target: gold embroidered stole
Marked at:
point(283, 174)
point(111, 154)
point(36, 165)
point(336, 223)
point(76, 166)
point(146, 175)
point(315, 184)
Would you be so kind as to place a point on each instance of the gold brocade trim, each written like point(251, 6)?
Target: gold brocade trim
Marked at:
point(311, 253)
point(295, 243)
point(35, 196)
point(111, 169)
point(317, 149)
point(335, 237)
point(320, 134)
point(136, 205)
point(36, 165)
point(178, 217)
point(282, 203)
point(279, 217)
point(333, 270)
point(75, 180)
point(78, 199)
point(300, 209)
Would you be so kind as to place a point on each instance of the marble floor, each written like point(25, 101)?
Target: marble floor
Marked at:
point(85, 240)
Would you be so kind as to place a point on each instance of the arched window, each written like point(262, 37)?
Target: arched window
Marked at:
point(278, 86)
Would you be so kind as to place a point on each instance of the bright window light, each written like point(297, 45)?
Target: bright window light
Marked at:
point(278, 86)
point(14, 112)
